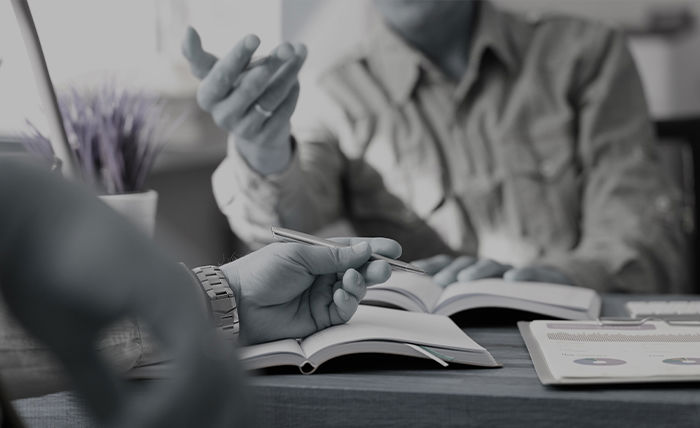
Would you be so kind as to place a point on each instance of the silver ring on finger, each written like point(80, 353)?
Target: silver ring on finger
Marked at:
point(262, 111)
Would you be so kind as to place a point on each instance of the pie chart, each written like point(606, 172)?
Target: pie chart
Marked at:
point(683, 361)
point(600, 361)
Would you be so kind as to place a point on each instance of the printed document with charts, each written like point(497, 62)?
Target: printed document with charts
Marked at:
point(419, 293)
point(575, 352)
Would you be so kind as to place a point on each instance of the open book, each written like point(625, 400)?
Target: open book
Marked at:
point(419, 293)
point(374, 330)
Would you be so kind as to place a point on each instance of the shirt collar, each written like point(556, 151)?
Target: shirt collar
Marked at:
point(398, 65)
point(492, 32)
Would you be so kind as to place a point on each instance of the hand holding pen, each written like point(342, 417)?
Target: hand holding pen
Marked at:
point(291, 290)
point(283, 234)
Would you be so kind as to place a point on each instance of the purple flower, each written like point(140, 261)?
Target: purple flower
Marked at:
point(115, 135)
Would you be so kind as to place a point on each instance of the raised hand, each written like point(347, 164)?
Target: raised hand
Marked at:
point(253, 101)
point(287, 290)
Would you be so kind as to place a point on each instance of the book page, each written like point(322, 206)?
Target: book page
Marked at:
point(419, 288)
point(375, 323)
point(277, 353)
point(565, 296)
point(655, 349)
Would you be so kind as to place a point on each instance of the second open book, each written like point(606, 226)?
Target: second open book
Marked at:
point(419, 293)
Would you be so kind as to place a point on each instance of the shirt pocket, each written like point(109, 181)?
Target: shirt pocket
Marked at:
point(540, 186)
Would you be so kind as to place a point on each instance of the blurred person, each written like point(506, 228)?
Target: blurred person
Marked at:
point(489, 144)
point(103, 299)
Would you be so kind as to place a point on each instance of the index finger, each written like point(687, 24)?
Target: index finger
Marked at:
point(434, 264)
point(200, 60)
point(448, 274)
point(321, 260)
point(383, 246)
point(218, 83)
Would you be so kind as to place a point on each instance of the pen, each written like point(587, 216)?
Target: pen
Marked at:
point(283, 234)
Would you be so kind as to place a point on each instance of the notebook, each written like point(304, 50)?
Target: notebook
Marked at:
point(374, 330)
point(576, 352)
point(419, 293)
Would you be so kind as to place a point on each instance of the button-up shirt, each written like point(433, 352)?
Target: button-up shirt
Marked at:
point(542, 154)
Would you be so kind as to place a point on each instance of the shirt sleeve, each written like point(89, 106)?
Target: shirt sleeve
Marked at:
point(631, 230)
point(305, 196)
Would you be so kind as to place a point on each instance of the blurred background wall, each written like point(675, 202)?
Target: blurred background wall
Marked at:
point(136, 43)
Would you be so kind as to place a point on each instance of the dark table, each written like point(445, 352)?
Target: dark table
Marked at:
point(383, 392)
point(509, 396)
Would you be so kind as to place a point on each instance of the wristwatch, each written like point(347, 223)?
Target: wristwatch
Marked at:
point(222, 301)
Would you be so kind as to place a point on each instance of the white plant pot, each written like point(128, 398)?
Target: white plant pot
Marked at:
point(139, 208)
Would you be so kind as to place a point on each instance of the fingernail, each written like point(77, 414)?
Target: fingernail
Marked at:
point(302, 51)
point(360, 248)
point(356, 277)
point(251, 42)
point(346, 296)
point(285, 51)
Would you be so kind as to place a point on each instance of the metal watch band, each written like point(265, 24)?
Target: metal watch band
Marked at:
point(222, 301)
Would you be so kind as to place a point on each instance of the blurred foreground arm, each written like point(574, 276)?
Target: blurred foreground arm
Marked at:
point(70, 268)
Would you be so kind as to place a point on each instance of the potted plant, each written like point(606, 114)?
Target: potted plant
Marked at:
point(115, 136)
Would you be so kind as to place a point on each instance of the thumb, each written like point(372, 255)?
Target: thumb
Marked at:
point(323, 260)
point(201, 62)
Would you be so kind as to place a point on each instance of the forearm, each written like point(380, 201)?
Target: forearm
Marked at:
point(630, 232)
point(305, 196)
point(273, 160)
point(621, 266)
point(632, 239)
